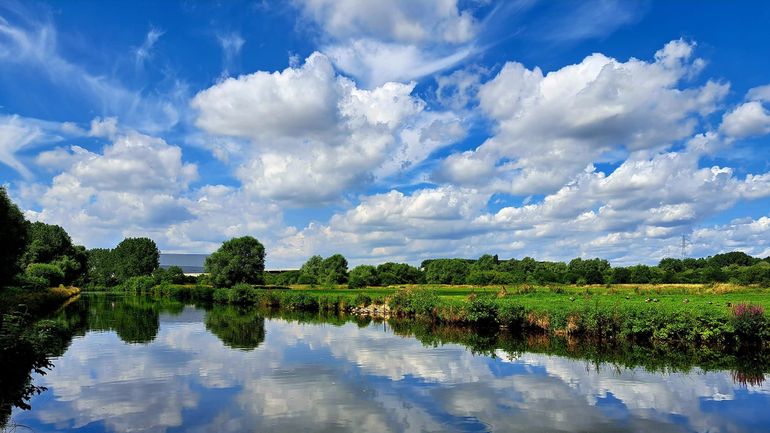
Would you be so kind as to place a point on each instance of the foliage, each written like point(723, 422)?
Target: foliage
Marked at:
point(329, 272)
point(46, 243)
point(135, 257)
point(749, 321)
point(446, 271)
point(239, 260)
point(363, 276)
point(238, 328)
point(100, 267)
point(171, 275)
point(13, 233)
point(51, 274)
point(139, 284)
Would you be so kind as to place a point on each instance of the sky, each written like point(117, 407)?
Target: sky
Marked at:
point(393, 131)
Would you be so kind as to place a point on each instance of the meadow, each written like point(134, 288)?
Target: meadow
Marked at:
point(712, 314)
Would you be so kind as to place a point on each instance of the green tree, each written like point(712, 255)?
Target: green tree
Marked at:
point(590, 271)
point(447, 271)
point(237, 328)
point(335, 270)
point(13, 233)
point(363, 276)
point(47, 243)
point(100, 267)
point(134, 257)
point(239, 260)
point(311, 271)
point(390, 273)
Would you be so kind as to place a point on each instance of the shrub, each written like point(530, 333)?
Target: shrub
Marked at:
point(511, 315)
point(52, 275)
point(749, 321)
point(413, 302)
point(242, 294)
point(138, 284)
point(362, 300)
point(481, 309)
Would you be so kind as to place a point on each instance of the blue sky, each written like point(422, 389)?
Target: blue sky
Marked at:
point(392, 130)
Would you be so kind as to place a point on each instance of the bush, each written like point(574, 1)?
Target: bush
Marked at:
point(362, 300)
point(52, 275)
point(749, 321)
point(413, 302)
point(481, 309)
point(138, 284)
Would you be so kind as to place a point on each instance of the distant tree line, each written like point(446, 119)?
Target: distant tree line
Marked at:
point(38, 255)
point(735, 267)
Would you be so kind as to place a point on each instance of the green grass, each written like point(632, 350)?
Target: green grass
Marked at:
point(699, 314)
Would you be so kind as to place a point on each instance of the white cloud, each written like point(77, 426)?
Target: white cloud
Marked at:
point(748, 119)
point(551, 126)
point(314, 134)
point(18, 133)
point(630, 215)
point(375, 62)
point(377, 42)
point(400, 21)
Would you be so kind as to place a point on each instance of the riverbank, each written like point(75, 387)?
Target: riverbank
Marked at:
point(721, 315)
point(27, 343)
point(35, 303)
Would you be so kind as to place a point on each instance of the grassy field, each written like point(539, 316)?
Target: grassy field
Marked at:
point(721, 314)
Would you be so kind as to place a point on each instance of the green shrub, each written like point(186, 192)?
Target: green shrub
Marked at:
point(138, 284)
point(362, 300)
point(511, 315)
point(413, 302)
point(51, 274)
point(481, 309)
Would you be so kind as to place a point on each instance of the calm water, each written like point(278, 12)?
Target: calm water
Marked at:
point(147, 368)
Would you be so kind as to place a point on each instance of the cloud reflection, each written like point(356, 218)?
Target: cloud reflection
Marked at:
point(320, 377)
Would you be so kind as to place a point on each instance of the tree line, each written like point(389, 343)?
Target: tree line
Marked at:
point(38, 255)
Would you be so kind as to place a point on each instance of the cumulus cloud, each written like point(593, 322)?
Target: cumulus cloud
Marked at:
point(549, 127)
point(315, 134)
point(134, 182)
point(629, 215)
point(748, 119)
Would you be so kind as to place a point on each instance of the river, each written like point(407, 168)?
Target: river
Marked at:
point(143, 366)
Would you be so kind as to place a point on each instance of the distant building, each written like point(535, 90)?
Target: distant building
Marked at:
point(190, 263)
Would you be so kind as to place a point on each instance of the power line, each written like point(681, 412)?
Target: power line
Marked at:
point(684, 246)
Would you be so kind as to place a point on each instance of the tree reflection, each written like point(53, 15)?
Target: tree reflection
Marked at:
point(238, 328)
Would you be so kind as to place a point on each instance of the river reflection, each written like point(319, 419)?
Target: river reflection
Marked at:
point(229, 370)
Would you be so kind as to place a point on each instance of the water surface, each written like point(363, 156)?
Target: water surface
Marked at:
point(147, 367)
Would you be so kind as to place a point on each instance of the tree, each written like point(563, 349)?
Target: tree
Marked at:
point(134, 257)
point(13, 232)
point(363, 276)
point(590, 271)
point(447, 271)
point(100, 267)
point(310, 272)
point(398, 273)
point(335, 270)
point(239, 260)
point(732, 258)
point(47, 243)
